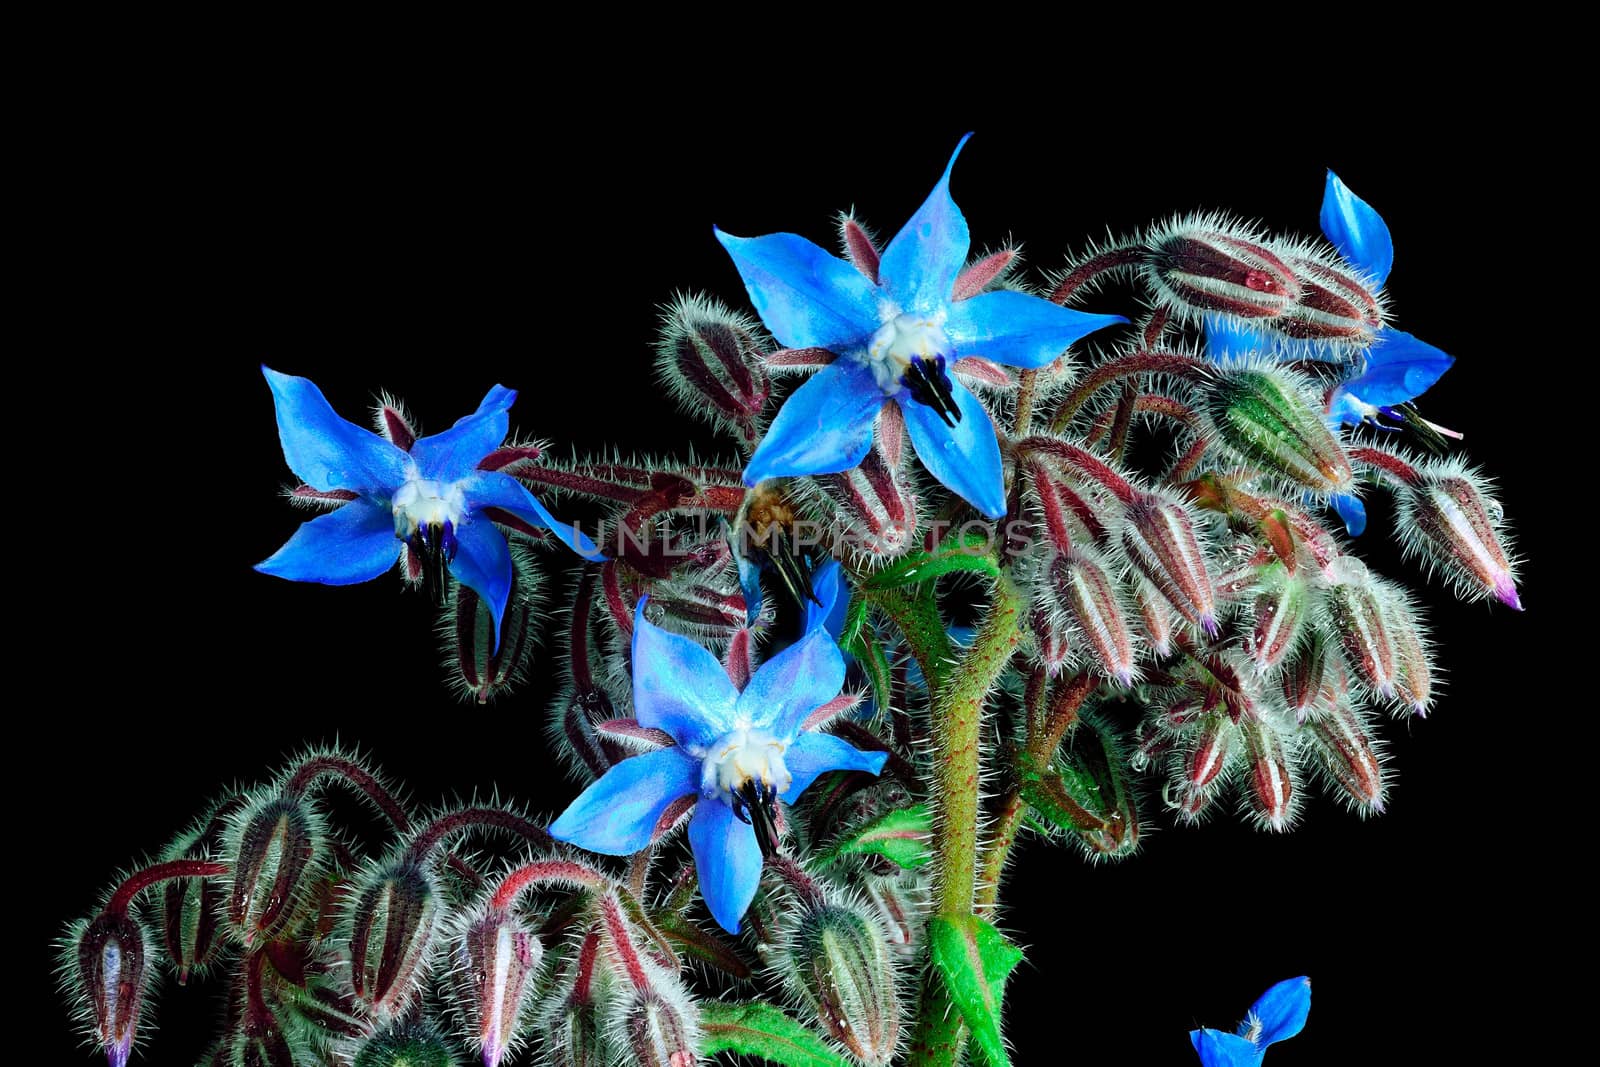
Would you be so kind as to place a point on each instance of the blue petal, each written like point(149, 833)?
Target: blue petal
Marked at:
point(1229, 338)
point(678, 686)
point(793, 684)
point(728, 861)
point(1356, 230)
point(327, 452)
point(919, 268)
point(1017, 329)
point(491, 489)
point(616, 815)
point(1399, 368)
point(483, 564)
point(1352, 511)
point(813, 754)
point(833, 599)
point(1281, 1011)
point(807, 298)
point(750, 586)
point(353, 544)
point(449, 456)
point(824, 427)
point(967, 458)
point(1218, 1049)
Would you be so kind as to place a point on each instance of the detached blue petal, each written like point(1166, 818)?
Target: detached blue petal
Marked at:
point(813, 754)
point(1281, 1011)
point(1399, 368)
point(833, 599)
point(483, 564)
point(727, 859)
point(793, 684)
point(919, 268)
point(449, 456)
point(325, 451)
point(824, 427)
point(491, 489)
point(678, 686)
point(1356, 230)
point(806, 297)
point(1017, 329)
point(616, 815)
point(967, 458)
point(1218, 1049)
point(353, 544)
point(1352, 511)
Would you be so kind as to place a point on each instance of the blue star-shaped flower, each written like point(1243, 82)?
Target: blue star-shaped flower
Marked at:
point(430, 498)
point(1279, 1014)
point(896, 336)
point(738, 753)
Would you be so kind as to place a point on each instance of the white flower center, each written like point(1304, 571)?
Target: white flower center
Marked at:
point(899, 341)
point(741, 757)
point(425, 503)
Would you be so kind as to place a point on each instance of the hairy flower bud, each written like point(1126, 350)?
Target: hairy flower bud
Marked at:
point(1273, 420)
point(392, 916)
point(572, 1022)
point(1414, 685)
point(275, 848)
point(1051, 634)
point(837, 960)
point(1312, 677)
point(1449, 519)
point(876, 509)
point(658, 1027)
point(1094, 603)
point(1279, 611)
point(192, 908)
point(1196, 265)
point(1204, 758)
point(1161, 544)
point(709, 358)
point(109, 960)
point(494, 957)
point(415, 1044)
point(1356, 610)
point(1342, 742)
point(1271, 773)
point(1156, 615)
point(1335, 305)
point(482, 670)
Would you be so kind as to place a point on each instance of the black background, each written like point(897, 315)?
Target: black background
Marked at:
point(432, 242)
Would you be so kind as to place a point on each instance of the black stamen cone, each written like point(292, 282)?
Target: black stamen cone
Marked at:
point(758, 806)
point(427, 543)
point(793, 568)
point(929, 384)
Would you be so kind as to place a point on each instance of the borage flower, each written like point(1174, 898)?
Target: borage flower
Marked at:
point(737, 753)
point(431, 498)
point(896, 326)
point(1279, 1014)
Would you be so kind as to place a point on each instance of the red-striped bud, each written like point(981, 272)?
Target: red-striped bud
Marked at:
point(192, 915)
point(275, 848)
point(1051, 633)
point(1205, 757)
point(876, 509)
point(110, 960)
point(482, 670)
point(1335, 305)
point(1342, 741)
point(1355, 605)
point(1414, 684)
point(709, 357)
point(658, 1027)
point(838, 961)
point(1448, 518)
point(1270, 774)
point(1156, 615)
point(494, 956)
point(1094, 604)
point(392, 916)
point(1313, 677)
point(1160, 542)
point(1196, 265)
point(1279, 611)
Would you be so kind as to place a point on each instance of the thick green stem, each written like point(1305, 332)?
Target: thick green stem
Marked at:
point(957, 715)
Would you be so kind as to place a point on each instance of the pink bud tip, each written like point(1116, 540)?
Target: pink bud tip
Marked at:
point(1506, 590)
point(183, 976)
point(1125, 677)
point(1208, 623)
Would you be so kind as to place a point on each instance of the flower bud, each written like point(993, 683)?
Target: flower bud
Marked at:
point(838, 961)
point(709, 358)
point(1051, 633)
point(494, 957)
point(1156, 616)
point(1279, 609)
point(572, 1021)
point(109, 960)
point(1414, 685)
point(1095, 774)
point(1161, 544)
point(415, 1044)
point(1205, 757)
point(392, 918)
point(1342, 742)
point(1449, 519)
point(192, 908)
point(876, 509)
point(1274, 421)
point(483, 671)
point(658, 1026)
point(1334, 305)
point(1094, 604)
point(1313, 677)
point(1356, 610)
point(275, 848)
point(1197, 264)
point(1270, 775)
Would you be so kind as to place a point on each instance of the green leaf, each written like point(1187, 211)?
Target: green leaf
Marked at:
point(761, 1030)
point(860, 639)
point(901, 836)
point(964, 553)
point(974, 959)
